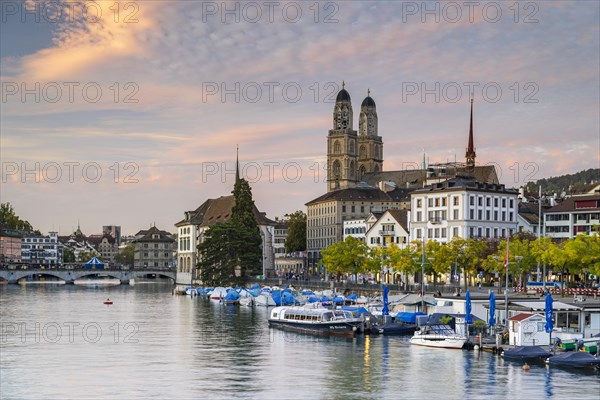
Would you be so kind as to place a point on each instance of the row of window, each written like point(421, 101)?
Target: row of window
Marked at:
point(396, 239)
point(441, 233)
point(184, 244)
point(156, 254)
point(354, 231)
point(488, 215)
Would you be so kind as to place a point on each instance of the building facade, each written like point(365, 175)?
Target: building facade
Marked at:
point(10, 246)
point(154, 248)
point(463, 207)
point(390, 228)
point(574, 215)
point(42, 250)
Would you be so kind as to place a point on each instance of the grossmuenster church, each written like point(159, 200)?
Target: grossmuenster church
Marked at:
point(358, 186)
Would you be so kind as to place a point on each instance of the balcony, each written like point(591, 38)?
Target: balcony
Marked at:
point(387, 233)
point(436, 221)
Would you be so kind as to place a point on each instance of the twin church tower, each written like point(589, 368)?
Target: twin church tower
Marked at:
point(352, 154)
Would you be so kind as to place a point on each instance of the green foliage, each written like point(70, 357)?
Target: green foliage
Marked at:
point(565, 183)
point(349, 256)
point(232, 250)
point(446, 320)
point(10, 220)
point(126, 255)
point(296, 238)
point(68, 255)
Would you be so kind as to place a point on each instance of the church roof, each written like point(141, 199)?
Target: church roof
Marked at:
point(470, 183)
point(343, 95)
point(368, 102)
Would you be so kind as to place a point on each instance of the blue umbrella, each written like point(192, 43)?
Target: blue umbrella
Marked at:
point(492, 320)
point(468, 318)
point(549, 325)
point(385, 310)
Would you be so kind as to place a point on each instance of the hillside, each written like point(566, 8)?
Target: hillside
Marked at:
point(569, 184)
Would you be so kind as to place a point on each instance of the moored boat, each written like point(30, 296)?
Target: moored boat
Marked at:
point(577, 359)
point(526, 353)
point(442, 336)
point(315, 320)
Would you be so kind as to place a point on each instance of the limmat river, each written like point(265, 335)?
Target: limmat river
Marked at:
point(62, 342)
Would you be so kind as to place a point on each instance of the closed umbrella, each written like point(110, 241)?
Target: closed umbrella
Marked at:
point(385, 310)
point(468, 318)
point(548, 311)
point(492, 320)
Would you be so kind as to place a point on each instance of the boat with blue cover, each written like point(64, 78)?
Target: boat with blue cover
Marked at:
point(526, 353)
point(577, 359)
point(315, 320)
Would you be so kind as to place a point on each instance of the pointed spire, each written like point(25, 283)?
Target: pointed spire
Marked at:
point(237, 163)
point(470, 155)
point(343, 85)
point(368, 92)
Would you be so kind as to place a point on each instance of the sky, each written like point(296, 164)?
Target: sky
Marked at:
point(129, 112)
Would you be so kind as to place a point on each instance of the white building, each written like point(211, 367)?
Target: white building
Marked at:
point(463, 207)
point(42, 250)
point(356, 228)
point(390, 227)
point(574, 215)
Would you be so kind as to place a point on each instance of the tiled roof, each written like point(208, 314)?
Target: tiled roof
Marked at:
point(414, 178)
point(464, 182)
point(148, 236)
point(219, 210)
point(569, 204)
point(366, 193)
point(401, 216)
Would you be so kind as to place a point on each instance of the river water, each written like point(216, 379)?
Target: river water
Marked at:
point(62, 342)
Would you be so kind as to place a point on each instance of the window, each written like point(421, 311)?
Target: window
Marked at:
point(512, 203)
point(455, 231)
point(353, 209)
point(495, 215)
point(456, 200)
point(503, 202)
point(430, 202)
point(362, 209)
point(343, 209)
point(480, 201)
point(443, 232)
point(419, 203)
point(480, 214)
point(429, 233)
point(503, 215)
point(488, 201)
point(487, 215)
point(455, 214)
point(443, 201)
point(472, 214)
point(472, 200)
point(437, 202)
point(495, 202)
point(419, 235)
point(419, 216)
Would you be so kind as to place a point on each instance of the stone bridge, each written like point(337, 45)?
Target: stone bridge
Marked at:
point(70, 275)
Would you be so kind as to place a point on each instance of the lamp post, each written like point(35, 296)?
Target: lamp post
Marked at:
point(423, 262)
point(518, 258)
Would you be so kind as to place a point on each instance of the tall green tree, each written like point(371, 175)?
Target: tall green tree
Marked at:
point(232, 250)
point(296, 238)
point(10, 220)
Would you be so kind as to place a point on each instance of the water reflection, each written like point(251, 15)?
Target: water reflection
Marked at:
point(192, 348)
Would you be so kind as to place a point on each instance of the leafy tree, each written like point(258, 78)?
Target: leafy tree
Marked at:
point(296, 238)
point(347, 257)
point(586, 250)
point(126, 255)
point(68, 255)
point(218, 259)
point(10, 220)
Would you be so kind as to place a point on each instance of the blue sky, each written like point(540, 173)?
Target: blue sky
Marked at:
point(129, 112)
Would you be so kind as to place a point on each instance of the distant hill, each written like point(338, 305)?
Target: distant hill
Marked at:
point(579, 182)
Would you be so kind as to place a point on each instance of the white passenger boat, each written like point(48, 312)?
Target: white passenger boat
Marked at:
point(438, 336)
point(315, 320)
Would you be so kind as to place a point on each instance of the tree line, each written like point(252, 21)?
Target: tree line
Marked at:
point(576, 257)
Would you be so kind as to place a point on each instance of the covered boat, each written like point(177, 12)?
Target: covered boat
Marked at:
point(315, 320)
point(526, 353)
point(578, 359)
